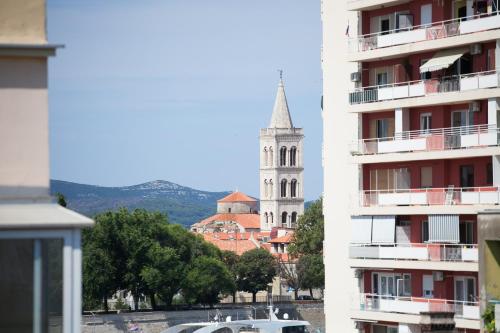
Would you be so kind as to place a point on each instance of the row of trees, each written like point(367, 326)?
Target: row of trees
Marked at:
point(141, 252)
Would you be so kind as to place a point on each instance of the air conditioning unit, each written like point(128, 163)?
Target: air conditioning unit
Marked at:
point(355, 77)
point(475, 106)
point(476, 49)
point(438, 276)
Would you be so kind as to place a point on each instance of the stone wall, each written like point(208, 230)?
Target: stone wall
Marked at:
point(156, 322)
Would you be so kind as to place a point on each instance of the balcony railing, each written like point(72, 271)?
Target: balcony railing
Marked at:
point(463, 137)
point(488, 195)
point(415, 251)
point(419, 33)
point(416, 305)
point(419, 88)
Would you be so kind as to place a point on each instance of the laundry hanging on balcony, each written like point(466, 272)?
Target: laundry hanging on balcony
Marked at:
point(442, 60)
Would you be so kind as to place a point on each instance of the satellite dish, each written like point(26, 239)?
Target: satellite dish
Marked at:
point(285, 316)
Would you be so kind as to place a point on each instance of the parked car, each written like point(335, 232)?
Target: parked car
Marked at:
point(305, 298)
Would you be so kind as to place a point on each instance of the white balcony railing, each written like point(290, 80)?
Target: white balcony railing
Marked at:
point(419, 88)
point(415, 251)
point(419, 33)
point(488, 195)
point(463, 137)
point(416, 305)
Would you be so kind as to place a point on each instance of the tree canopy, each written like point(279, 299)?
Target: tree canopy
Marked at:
point(255, 269)
point(309, 235)
point(141, 252)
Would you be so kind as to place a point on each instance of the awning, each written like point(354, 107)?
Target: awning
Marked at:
point(444, 229)
point(442, 59)
point(361, 229)
point(383, 229)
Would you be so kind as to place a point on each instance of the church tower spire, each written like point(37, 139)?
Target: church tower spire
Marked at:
point(281, 168)
point(281, 115)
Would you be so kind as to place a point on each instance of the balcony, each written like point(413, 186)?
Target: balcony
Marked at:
point(416, 305)
point(415, 251)
point(421, 88)
point(420, 33)
point(465, 137)
point(450, 196)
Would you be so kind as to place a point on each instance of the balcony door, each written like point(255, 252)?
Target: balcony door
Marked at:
point(462, 118)
point(466, 176)
point(426, 14)
point(465, 289)
point(426, 122)
point(428, 286)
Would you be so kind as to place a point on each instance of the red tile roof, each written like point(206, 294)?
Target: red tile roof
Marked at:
point(226, 244)
point(283, 239)
point(237, 197)
point(247, 221)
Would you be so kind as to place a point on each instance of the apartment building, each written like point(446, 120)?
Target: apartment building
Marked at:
point(411, 154)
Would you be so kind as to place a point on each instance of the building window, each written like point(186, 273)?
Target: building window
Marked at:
point(466, 176)
point(283, 188)
point(271, 218)
point(293, 156)
point(293, 188)
point(426, 177)
point(294, 217)
point(271, 185)
point(489, 174)
point(266, 189)
point(466, 232)
point(265, 156)
point(266, 217)
point(425, 231)
point(229, 210)
point(284, 217)
point(271, 156)
point(426, 122)
point(283, 156)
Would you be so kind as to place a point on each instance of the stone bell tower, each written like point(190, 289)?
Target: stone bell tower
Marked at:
point(281, 168)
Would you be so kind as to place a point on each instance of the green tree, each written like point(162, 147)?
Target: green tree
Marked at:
point(255, 269)
point(103, 259)
point(163, 273)
point(288, 271)
point(309, 235)
point(61, 200)
point(311, 272)
point(231, 259)
point(207, 278)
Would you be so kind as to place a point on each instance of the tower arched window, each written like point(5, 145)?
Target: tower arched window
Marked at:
point(271, 218)
point(266, 217)
point(266, 189)
point(265, 156)
point(293, 188)
point(284, 217)
point(293, 156)
point(283, 156)
point(271, 188)
point(271, 156)
point(293, 217)
point(283, 188)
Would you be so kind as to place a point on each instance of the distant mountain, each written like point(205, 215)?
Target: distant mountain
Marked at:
point(183, 205)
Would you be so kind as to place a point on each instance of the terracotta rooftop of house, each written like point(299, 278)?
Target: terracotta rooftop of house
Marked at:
point(246, 220)
point(225, 243)
point(283, 239)
point(237, 197)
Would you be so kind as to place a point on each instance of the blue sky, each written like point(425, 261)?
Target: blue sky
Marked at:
point(178, 89)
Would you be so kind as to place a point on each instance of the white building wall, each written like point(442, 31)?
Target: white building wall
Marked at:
point(340, 176)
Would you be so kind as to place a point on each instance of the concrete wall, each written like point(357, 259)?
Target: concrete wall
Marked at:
point(24, 135)
point(155, 322)
point(489, 256)
point(237, 207)
point(22, 21)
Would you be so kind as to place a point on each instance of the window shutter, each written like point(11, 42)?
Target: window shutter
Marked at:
point(384, 229)
point(444, 229)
